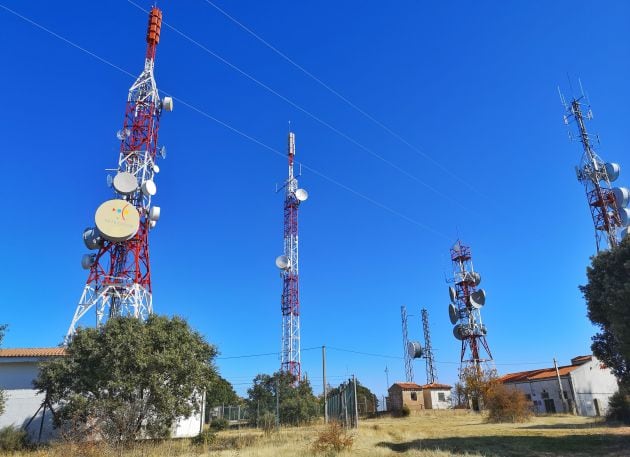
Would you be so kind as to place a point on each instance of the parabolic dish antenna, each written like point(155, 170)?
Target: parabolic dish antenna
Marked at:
point(414, 349)
point(453, 314)
point(622, 196)
point(452, 294)
point(87, 261)
point(301, 195)
point(167, 103)
point(117, 220)
point(461, 331)
point(122, 134)
point(92, 238)
point(478, 298)
point(163, 152)
point(149, 188)
point(624, 214)
point(612, 170)
point(283, 262)
point(624, 232)
point(125, 183)
point(476, 278)
point(154, 213)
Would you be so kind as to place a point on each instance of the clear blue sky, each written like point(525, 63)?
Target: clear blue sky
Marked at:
point(471, 84)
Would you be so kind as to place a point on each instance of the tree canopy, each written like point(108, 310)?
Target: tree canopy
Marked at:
point(297, 404)
point(129, 378)
point(607, 296)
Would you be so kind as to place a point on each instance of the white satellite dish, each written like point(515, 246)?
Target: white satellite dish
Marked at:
point(92, 239)
point(156, 168)
point(110, 180)
point(476, 277)
point(162, 152)
point(154, 213)
point(622, 196)
point(301, 195)
point(149, 188)
point(414, 349)
point(478, 298)
point(612, 170)
point(87, 261)
point(283, 262)
point(461, 331)
point(123, 134)
point(167, 104)
point(624, 215)
point(152, 224)
point(453, 314)
point(117, 220)
point(125, 183)
point(452, 294)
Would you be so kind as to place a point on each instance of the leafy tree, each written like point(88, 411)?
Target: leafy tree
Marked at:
point(477, 382)
point(129, 378)
point(2, 397)
point(506, 404)
point(221, 392)
point(607, 297)
point(297, 404)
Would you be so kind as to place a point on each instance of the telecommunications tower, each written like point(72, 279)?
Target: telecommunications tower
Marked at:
point(290, 360)
point(119, 278)
point(406, 352)
point(465, 308)
point(428, 349)
point(608, 205)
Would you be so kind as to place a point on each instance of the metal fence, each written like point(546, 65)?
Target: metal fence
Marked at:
point(342, 404)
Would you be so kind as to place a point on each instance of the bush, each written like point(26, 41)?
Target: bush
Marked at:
point(506, 404)
point(405, 411)
point(267, 422)
point(206, 438)
point(332, 439)
point(13, 439)
point(619, 407)
point(219, 424)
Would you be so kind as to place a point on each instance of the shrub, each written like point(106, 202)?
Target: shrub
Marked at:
point(267, 422)
point(332, 439)
point(619, 406)
point(219, 424)
point(405, 411)
point(13, 439)
point(206, 438)
point(506, 404)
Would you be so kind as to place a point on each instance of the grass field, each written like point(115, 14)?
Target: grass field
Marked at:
point(428, 435)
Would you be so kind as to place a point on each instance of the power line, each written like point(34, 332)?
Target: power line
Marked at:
point(305, 111)
point(231, 128)
point(341, 97)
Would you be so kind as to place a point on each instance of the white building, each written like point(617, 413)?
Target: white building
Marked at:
point(24, 406)
point(436, 396)
point(587, 385)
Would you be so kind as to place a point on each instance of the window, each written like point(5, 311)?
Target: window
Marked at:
point(545, 394)
point(414, 396)
point(441, 396)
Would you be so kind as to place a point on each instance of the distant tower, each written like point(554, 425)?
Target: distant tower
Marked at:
point(119, 279)
point(465, 308)
point(405, 335)
point(607, 204)
point(290, 360)
point(428, 349)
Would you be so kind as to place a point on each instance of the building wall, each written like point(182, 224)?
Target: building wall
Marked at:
point(432, 399)
point(547, 389)
point(593, 384)
point(399, 397)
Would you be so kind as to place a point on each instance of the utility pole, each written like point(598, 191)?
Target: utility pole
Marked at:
point(356, 403)
point(387, 377)
point(325, 386)
point(564, 402)
point(277, 404)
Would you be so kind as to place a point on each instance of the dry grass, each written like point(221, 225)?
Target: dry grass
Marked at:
point(433, 434)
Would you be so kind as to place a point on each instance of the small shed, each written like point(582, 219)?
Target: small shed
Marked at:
point(436, 396)
point(405, 393)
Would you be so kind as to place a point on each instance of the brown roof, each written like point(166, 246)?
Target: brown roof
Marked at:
point(33, 352)
point(407, 385)
point(437, 385)
point(545, 373)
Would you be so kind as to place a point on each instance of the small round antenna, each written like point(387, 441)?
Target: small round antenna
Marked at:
point(87, 261)
point(162, 152)
point(414, 349)
point(301, 195)
point(125, 183)
point(149, 188)
point(478, 298)
point(452, 294)
point(167, 104)
point(154, 213)
point(612, 170)
point(117, 220)
point(283, 262)
point(622, 196)
point(123, 134)
point(453, 314)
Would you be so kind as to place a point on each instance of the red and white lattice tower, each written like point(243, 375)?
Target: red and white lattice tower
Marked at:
point(465, 308)
point(119, 279)
point(290, 360)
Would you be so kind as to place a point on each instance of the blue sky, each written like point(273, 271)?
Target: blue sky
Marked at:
point(471, 86)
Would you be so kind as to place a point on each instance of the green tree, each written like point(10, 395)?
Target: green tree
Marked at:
point(297, 404)
point(221, 392)
point(477, 382)
point(129, 378)
point(607, 297)
point(2, 397)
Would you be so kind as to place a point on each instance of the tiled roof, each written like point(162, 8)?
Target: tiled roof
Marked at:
point(545, 373)
point(33, 352)
point(407, 385)
point(436, 385)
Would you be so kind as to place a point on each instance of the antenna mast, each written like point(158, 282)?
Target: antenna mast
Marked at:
point(119, 279)
point(428, 349)
point(290, 360)
point(408, 357)
point(465, 308)
point(607, 204)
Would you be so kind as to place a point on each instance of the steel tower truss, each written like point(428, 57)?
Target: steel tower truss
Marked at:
point(119, 280)
point(593, 174)
point(290, 359)
point(405, 335)
point(465, 281)
point(428, 349)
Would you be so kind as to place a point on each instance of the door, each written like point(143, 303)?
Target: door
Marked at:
point(596, 405)
point(550, 406)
